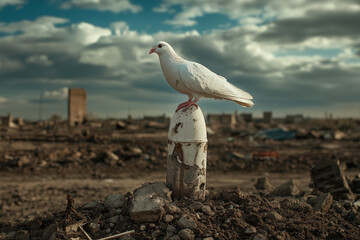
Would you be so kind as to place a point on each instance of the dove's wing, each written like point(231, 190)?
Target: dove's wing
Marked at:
point(204, 82)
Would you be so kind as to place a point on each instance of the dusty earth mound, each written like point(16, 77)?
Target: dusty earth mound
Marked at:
point(283, 213)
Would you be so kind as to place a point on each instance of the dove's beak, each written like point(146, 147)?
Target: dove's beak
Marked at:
point(152, 50)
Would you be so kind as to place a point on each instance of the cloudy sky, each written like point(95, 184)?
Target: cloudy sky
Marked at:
point(296, 56)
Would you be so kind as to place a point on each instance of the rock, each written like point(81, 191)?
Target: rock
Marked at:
point(93, 227)
point(22, 235)
point(50, 230)
point(108, 230)
point(207, 210)
point(152, 225)
point(196, 206)
point(142, 227)
point(35, 225)
point(156, 234)
point(254, 219)
point(259, 237)
point(136, 151)
point(323, 203)
point(357, 204)
point(113, 201)
point(186, 234)
point(175, 237)
point(93, 205)
point(187, 222)
point(273, 215)
point(208, 238)
point(120, 125)
point(168, 218)
point(113, 219)
point(250, 230)
point(172, 208)
point(148, 202)
point(289, 188)
point(23, 161)
point(171, 229)
point(263, 184)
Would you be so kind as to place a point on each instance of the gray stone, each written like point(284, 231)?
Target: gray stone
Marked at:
point(114, 201)
point(323, 203)
point(263, 184)
point(93, 205)
point(207, 210)
point(156, 234)
point(172, 208)
point(168, 218)
point(113, 219)
point(171, 229)
point(289, 188)
point(186, 234)
point(208, 238)
point(250, 230)
point(196, 206)
point(50, 230)
point(142, 227)
point(273, 215)
point(175, 237)
point(259, 237)
point(186, 222)
point(148, 202)
point(108, 230)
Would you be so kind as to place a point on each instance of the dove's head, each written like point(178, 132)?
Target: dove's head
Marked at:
point(159, 47)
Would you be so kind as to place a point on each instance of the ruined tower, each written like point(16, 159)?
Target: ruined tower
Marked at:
point(77, 106)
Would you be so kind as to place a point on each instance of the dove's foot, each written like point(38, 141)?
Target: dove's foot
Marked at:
point(186, 105)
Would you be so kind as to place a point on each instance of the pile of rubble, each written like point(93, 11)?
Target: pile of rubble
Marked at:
point(284, 212)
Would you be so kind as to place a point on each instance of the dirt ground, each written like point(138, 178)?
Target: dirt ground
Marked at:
point(39, 168)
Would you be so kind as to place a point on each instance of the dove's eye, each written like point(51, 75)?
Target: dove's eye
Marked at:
point(159, 46)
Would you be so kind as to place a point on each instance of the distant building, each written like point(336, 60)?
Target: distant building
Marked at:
point(297, 118)
point(267, 117)
point(7, 121)
point(159, 119)
point(229, 119)
point(247, 117)
point(76, 106)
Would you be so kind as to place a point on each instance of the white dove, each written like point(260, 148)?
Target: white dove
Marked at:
point(195, 80)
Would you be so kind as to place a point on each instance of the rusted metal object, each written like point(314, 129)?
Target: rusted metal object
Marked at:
point(187, 154)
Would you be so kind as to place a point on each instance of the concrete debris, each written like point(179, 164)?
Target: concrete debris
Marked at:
point(113, 201)
point(186, 234)
point(328, 177)
point(323, 203)
point(186, 221)
point(264, 184)
point(289, 188)
point(148, 202)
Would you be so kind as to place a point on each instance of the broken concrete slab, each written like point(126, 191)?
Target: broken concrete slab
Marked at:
point(328, 177)
point(323, 203)
point(149, 201)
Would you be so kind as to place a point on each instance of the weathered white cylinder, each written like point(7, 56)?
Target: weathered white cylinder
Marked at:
point(187, 153)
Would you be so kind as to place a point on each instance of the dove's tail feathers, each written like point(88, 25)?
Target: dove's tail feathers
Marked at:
point(244, 102)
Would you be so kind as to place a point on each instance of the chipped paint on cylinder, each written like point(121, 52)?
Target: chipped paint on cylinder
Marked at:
point(187, 154)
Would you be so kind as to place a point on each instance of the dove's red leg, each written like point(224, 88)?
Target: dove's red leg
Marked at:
point(184, 104)
point(192, 102)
